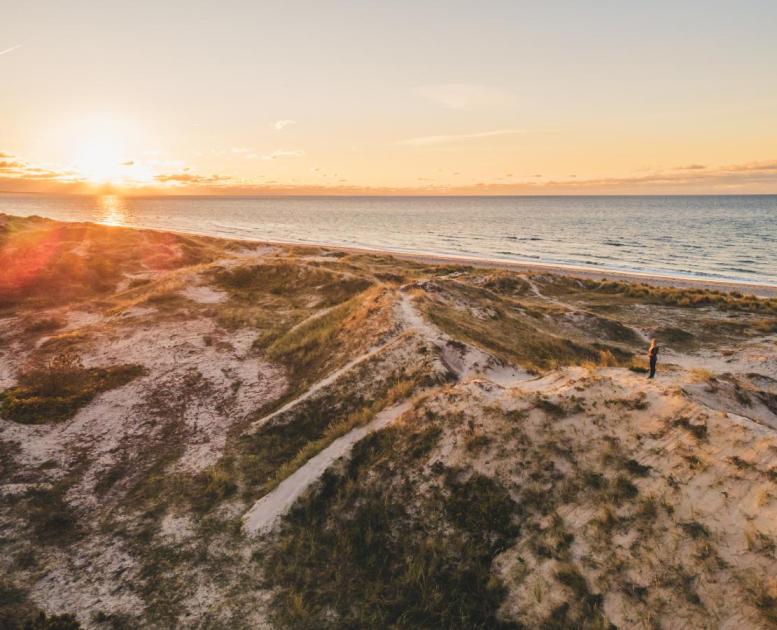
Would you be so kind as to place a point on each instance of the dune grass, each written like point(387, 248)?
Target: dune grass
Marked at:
point(398, 391)
point(359, 553)
point(514, 340)
point(291, 280)
point(645, 293)
point(303, 346)
point(322, 342)
point(265, 458)
point(56, 389)
point(17, 612)
point(44, 325)
point(44, 263)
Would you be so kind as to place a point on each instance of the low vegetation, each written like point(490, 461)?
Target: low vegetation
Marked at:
point(585, 498)
point(322, 343)
point(55, 390)
point(292, 281)
point(18, 613)
point(368, 558)
point(670, 296)
point(516, 339)
point(45, 263)
point(275, 450)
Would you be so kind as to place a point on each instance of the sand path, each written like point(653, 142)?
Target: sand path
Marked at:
point(324, 382)
point(267, 511)
point(413, 320)
point(462, 362)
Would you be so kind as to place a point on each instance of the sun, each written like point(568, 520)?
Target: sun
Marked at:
point(99, 158)
point(99, 151)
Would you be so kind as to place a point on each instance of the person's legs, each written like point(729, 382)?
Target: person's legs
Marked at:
point(652, 369)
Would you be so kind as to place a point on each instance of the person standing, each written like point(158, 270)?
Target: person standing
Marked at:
point(653, 357)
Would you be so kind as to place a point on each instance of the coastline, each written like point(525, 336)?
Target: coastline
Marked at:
point(430, 258)
point(587, 273)
point(665, 280)
point(209, 379)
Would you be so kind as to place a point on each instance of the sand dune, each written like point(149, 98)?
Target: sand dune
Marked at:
point(198, 433)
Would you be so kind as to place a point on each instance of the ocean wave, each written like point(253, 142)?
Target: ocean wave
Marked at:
point(671, 235)
point(740, 270)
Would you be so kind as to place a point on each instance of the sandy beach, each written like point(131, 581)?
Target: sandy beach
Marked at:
point(663, 280)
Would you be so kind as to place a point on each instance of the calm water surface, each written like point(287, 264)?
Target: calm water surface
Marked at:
point(719, 237)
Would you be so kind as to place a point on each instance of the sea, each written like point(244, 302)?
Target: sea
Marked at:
point(718, 237)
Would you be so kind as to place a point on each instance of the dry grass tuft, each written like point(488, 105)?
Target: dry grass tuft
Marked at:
point(56, 389)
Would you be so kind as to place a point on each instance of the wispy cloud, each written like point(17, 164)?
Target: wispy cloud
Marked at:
point(191, 178)
point(171, 177)
point(11, 49)
point(464, 95)
point(425, 141)
point(691, 167)
point(14, 168)
point(8, 165)
point(283, 153)
point(280, 125)
point(758, 167)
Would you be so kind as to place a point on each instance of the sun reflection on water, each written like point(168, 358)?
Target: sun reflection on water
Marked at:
point(111, 209)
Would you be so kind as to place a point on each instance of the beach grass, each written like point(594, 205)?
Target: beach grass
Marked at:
point(55, 390)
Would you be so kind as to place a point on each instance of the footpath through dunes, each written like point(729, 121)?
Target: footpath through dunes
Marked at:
point(461, 362)
point(583, 498)
point(277, 436)
point(266, 512)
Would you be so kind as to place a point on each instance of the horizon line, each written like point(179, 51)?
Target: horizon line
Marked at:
point(370, 195)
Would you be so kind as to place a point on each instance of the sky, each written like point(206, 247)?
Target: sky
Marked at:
point(391, 97)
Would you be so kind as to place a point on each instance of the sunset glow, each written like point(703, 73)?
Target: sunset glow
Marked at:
point(388, 314)
point(520, 98)
point(99, 161)
point(112, 210)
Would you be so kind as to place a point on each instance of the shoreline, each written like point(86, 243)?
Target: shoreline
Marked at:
point(658, 279)
point(758, 289)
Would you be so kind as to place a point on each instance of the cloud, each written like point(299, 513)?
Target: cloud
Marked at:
point(171, 177)
point(280, 125)
point(18, 169)
point(11, 49)
point(691, 167)
point(760, 167)
point(7, 165)
point(19, 176)
point(190, 178)
point(281, 153)
point(735, 178)
point(464, 95)
point(425, 141)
